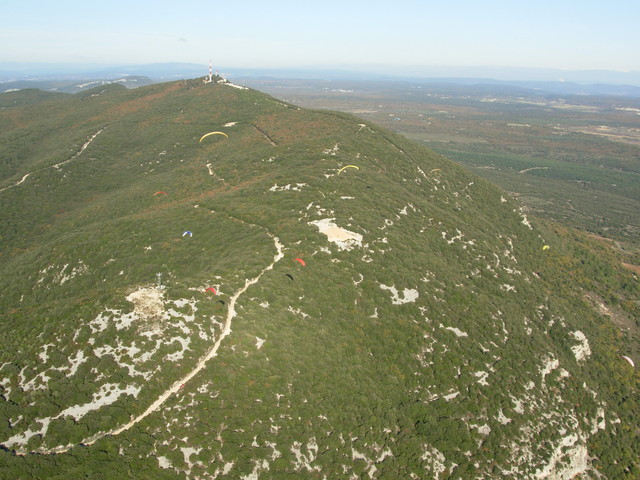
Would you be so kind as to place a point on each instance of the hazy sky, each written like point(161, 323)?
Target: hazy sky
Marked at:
point(566, 34)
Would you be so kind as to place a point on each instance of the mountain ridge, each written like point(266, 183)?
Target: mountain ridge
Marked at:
point(563, 82)
point(429, 333)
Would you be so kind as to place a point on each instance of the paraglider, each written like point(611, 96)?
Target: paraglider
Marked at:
point(211, 289)
point(187, 233)
point(301, 261)
point(348, 166)
point(213, 133)
point(160, 193)
point(546, 247)
point(629, 360)
point(435, 170)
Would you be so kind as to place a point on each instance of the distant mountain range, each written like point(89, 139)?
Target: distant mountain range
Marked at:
point(73, 85)
point(566, 82)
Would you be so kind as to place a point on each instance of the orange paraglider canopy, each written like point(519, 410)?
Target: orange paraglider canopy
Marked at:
point(160, 193)
point(301, 261)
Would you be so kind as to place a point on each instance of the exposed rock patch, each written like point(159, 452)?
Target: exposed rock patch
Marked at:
point(148, 303)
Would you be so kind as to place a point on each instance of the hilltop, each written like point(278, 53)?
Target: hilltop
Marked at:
point(244, 306)
point(572, 159)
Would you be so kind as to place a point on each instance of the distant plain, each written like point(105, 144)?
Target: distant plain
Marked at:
point(570, 158)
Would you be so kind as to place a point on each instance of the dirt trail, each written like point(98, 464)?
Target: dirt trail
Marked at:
point(57, 165)
point(82, 149)
point(211, 353)
point(231, 313)
point(15, 184)
point(533, 168)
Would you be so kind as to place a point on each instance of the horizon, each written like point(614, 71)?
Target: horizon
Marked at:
point(43, 71)
point(569, 36)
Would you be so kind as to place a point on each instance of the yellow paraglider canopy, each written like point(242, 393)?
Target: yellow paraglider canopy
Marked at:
point(213, 133)
point(546, 247)
point(348, 166)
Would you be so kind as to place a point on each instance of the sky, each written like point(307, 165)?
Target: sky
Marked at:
point(558, 34)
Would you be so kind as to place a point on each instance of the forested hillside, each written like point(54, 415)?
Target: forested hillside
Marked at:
point(302, 295)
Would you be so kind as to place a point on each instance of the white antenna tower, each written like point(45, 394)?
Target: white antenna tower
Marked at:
point(210, 72)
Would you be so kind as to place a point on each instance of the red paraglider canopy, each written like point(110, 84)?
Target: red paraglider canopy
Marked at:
point(211, 289)
point(301, 261)
point(159, 193)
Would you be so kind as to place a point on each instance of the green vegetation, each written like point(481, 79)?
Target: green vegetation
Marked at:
point(573, 159)
point(436, 337)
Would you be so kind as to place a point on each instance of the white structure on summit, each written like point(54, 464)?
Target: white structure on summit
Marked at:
point(219, 79)
point(209, 79)
point(210, 73)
